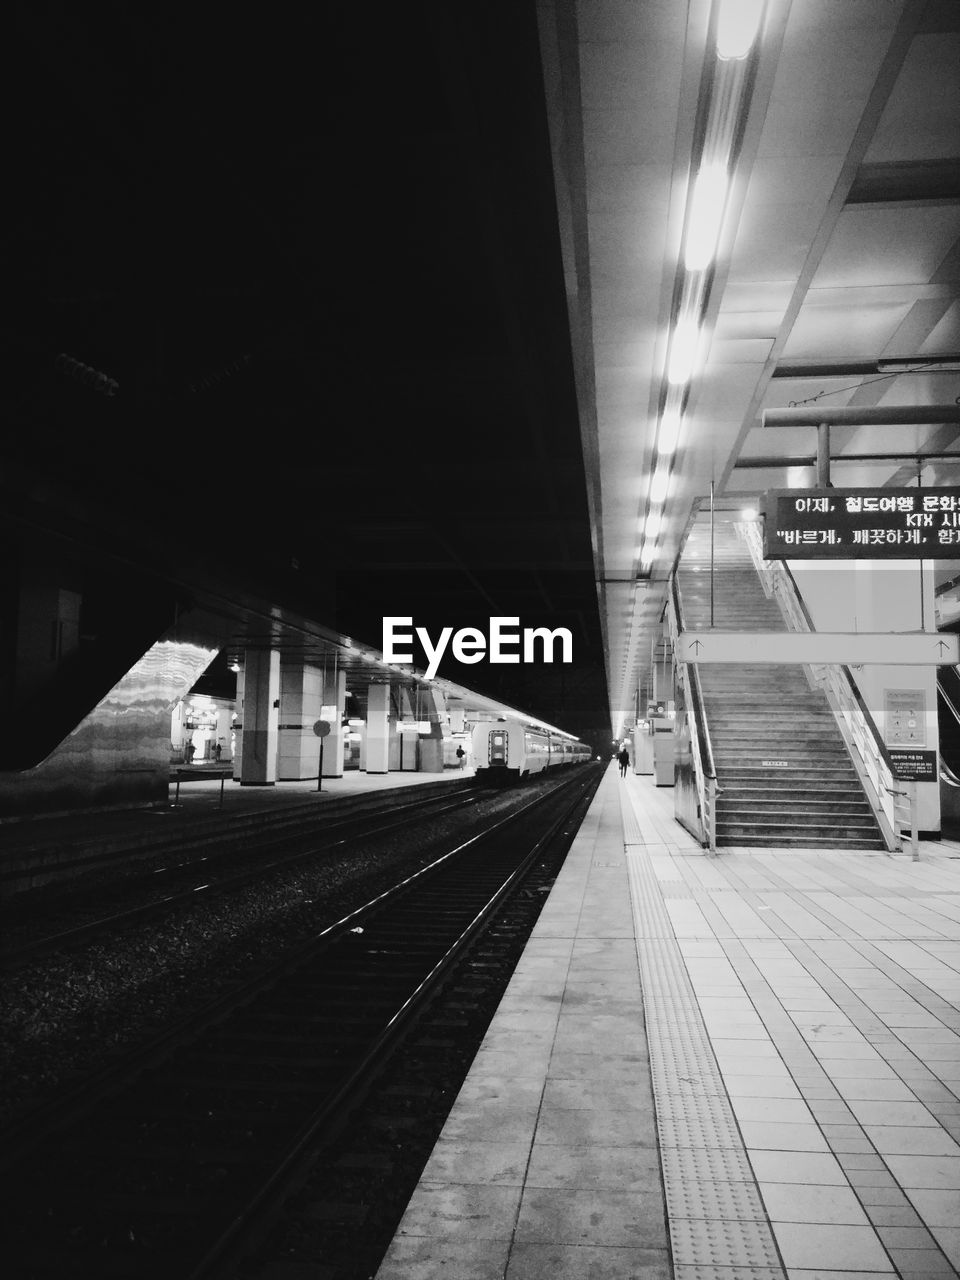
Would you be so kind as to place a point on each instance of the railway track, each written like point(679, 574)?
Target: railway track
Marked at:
point(66, 863)
point(82, 916)
point(158, 1166)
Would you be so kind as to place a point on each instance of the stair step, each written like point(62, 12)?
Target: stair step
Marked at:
point(771, 805)
point(763, 714)
point(827, 791)
point(800, 842)
point(736, 762)
point(823, 830)
point(791, 777)
point(732, 734)
point(793, 814)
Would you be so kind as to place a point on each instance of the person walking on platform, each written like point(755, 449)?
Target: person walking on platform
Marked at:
point(623, 755)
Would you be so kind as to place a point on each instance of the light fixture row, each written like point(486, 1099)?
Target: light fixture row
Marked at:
point(736, 28)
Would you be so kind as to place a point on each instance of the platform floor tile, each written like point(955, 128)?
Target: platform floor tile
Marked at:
point(741, 1067)
point(555, 1122)
point(824, 987)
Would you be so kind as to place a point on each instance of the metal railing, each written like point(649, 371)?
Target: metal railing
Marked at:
point(893, 801)
point(705, 774)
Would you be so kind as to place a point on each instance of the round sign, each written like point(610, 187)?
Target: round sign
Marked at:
point(321, 728)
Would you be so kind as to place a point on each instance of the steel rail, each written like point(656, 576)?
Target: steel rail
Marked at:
point(286, 1168)
point(67, 939)
point(18, 1138)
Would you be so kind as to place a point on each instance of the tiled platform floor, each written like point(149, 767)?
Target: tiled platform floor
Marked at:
point(735, 1068)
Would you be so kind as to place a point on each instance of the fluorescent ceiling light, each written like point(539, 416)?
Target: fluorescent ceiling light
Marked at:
point(651, 525)
point(669, 433)
point(706, 215)
point(659, 485)
point(683, 352)
point(738, 22)
point(748, 513)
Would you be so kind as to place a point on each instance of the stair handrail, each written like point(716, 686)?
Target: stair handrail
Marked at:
point(704, 770)
point(894, 805)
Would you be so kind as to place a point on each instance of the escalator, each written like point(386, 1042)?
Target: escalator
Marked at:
point(948, 717)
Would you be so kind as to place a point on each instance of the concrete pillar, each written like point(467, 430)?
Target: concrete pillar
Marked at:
point(260, 717)
point(238, 729)
point(404, 747)
point(434, 708)
point(456, 719)
point(377, 737)
point(301, 698)
point(224, 725)
point(334, 701)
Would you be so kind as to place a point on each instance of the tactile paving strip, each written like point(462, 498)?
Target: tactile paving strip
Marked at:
point(718, 1227)
point(719, 1164)
point(693, 1131)
point(729, 1273)
point(706, 1242)
point(696, 1198)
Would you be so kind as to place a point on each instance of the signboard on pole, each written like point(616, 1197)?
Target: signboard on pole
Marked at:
point(862, 524)
point(914, 766)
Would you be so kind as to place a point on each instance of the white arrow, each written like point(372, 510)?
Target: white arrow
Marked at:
point(901, 648)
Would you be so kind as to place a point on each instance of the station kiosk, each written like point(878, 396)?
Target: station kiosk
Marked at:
point(653, 743)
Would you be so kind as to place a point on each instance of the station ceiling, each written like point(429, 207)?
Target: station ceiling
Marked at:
point(350, 312)
point(833, 280)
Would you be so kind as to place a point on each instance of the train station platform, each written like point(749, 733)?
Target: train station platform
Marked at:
point(742, 1067)
point(198, 796)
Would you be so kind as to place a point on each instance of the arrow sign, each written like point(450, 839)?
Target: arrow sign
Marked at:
point(902, 648)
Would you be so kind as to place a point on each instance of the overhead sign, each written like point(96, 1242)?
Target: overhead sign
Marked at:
point(914, 766)
point(862, 524)
point(910, 648)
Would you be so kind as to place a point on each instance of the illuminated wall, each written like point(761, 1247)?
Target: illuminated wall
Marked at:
point(119, 753)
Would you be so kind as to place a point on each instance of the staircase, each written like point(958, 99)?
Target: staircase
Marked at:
point(784, 772)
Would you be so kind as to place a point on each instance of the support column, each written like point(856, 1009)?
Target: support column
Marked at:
point(260, 717)
point(456, 719)
point(301, 692)
point(224, 727)
point(431, 744)
point(334, 702)
point(404, 747)
point(378, 729)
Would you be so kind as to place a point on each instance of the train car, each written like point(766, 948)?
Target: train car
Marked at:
point(508, 750)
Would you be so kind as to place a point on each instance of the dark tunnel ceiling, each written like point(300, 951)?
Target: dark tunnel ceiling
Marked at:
point(320, 259)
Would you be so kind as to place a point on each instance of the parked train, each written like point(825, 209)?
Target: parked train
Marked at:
point(506, 750)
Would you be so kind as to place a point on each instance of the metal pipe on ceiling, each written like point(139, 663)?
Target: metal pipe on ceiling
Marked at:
point(903, 415)
point(765, 462)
